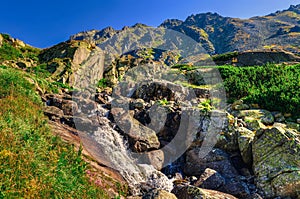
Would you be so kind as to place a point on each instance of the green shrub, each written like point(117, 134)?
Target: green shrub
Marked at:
point(102, 83)
point(30, 52)
point(6, 36)
point(273, 87)
point(205, 106)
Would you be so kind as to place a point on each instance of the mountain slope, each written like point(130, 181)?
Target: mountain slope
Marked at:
point(215, 33)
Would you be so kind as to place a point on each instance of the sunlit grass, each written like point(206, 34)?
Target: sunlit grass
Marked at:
point(34, 163)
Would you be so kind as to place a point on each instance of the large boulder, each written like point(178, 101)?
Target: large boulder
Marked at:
point(54, 113)
point(156, 158)
point(191, 192)
point(276, 162)
point(220, 162)
point(64, 103)
point(210, 179)
point(159, 194)
point(141, 138)
point(216, 159)
point(76, 63)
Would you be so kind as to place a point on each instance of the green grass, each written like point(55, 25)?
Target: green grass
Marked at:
point(8, 52)
point(40, 71)
point(34, 163)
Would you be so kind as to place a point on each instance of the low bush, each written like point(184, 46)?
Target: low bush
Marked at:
point(273, 87)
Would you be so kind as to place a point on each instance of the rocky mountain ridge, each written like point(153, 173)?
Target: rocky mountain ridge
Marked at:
point(218, 34)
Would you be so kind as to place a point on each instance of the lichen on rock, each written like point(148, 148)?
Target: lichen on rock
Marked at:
point(276, 162)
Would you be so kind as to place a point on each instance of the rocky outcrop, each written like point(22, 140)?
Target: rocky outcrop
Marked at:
point(249, 159)
point(276, 162)
point(95, 35)
point(242, 158)
point(78, 64)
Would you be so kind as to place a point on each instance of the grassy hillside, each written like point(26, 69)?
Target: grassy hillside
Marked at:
point(34, 163)
point(12, 49)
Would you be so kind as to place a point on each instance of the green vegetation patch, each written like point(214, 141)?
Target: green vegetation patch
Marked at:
point(273, 87)
point(34, 163)
point(8, 52)
point(225, 56)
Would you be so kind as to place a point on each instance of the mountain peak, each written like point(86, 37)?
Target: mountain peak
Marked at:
point(139, 25)
point(295, 8)
point(171, 23)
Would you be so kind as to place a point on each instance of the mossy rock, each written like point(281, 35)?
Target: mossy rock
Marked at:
point(264, 116)
point(293, 125)
point(276, 162)
point(254, 124)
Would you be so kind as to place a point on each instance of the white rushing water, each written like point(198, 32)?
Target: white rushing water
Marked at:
point(108, 146)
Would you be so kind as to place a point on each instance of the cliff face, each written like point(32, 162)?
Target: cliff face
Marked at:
point(218, 34)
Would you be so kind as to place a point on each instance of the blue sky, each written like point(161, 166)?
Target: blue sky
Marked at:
point(45, 23)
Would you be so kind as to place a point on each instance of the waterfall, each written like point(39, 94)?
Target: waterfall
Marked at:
point(108, 146)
